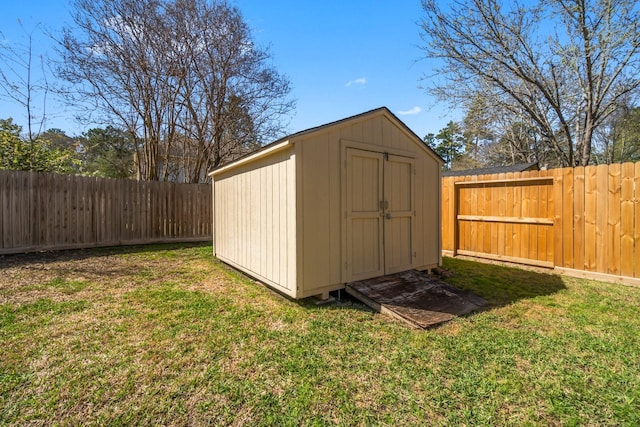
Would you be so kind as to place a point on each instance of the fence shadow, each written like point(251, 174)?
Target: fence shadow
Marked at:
point(499, 284)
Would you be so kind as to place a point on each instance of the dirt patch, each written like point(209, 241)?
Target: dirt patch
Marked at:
point(74, 274)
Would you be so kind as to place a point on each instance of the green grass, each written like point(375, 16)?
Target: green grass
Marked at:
point(161, 335)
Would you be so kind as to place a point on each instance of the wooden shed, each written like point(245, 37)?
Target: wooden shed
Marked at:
point(349, 200)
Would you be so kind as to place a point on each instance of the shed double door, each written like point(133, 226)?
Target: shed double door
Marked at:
point(380, 214)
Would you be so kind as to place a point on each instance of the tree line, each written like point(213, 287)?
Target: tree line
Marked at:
point(554, 81)
point(475, 142)
point(104, 152)
point(180, 86)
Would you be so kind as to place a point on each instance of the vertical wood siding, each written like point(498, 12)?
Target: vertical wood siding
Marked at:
point(255, 219)
point(40, 211)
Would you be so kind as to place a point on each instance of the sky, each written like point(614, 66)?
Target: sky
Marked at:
point(342, 57)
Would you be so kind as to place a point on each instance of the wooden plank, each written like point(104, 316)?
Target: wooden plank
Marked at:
point(567, 217)
point(534, 212)
point(604, 277)
point(31, 215)
point(109, 215)
point(502, 209)
point(578, 217)
point(74, 182)
point(557, 218)
point(491, 181)
point(602, 185)
point(525, 229)
point(516, 208)
point(21, 225)
point(479, 229)
point(590, 215)
point(41, 186)
point(92, 221)
point(636, 221)
point(58, 205)
point(486, 246)
point(527, 261)
point(66, 210)
point(473, 228)
point(495, 201)
point(507, 219)
point(542, 232)
point(128, 211)
point(549, 214)
point(456, 229)
point(471, 206)
point(3, 211)
point(80, 192)
point(508, 232)
point(613, 220)
point(414, 297)
point(626, 219)
point(450, 213)
point(467, 231)
point(11, 240)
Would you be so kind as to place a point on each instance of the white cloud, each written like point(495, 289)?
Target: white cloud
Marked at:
point(415, 110)
point(358, 81)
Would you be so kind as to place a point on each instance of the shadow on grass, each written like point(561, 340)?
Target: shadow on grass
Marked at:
point(19, 260)
point(501, 285)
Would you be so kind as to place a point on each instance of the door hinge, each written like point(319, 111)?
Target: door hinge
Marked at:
point(386, 156)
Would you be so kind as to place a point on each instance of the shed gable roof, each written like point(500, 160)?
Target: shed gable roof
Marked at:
point(384, 111)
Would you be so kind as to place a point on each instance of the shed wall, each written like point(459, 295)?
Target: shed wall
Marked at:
point(321, 216)
point(255, 219)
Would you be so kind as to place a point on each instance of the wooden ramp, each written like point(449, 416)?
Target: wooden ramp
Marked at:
point(415, 297)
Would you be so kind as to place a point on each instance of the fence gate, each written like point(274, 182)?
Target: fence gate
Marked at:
point(505, 219)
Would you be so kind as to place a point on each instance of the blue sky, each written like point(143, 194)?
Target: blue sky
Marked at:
point(342, 57)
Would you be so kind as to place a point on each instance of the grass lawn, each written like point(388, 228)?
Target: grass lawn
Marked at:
point(167, 335)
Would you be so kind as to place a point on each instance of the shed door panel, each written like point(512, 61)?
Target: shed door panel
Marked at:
point(399, 214)
point(380, 214)
point(365, 256)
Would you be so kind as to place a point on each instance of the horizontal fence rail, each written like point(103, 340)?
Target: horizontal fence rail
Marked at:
point(41, 211)
point(582, 221)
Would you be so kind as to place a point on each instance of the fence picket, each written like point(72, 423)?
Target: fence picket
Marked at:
point(578, 218)
point(613, 220)
point(602, 186)
point(626, 219)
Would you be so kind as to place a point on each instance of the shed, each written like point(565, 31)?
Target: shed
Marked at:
point(353, 199)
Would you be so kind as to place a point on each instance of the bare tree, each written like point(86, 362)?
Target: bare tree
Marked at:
point(180, 75)
point(564, 64)
point(23, 80)
point(233, 99)
point(116, 57)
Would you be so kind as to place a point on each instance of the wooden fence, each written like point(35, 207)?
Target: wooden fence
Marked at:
point(582, 221)
point(41, 211)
